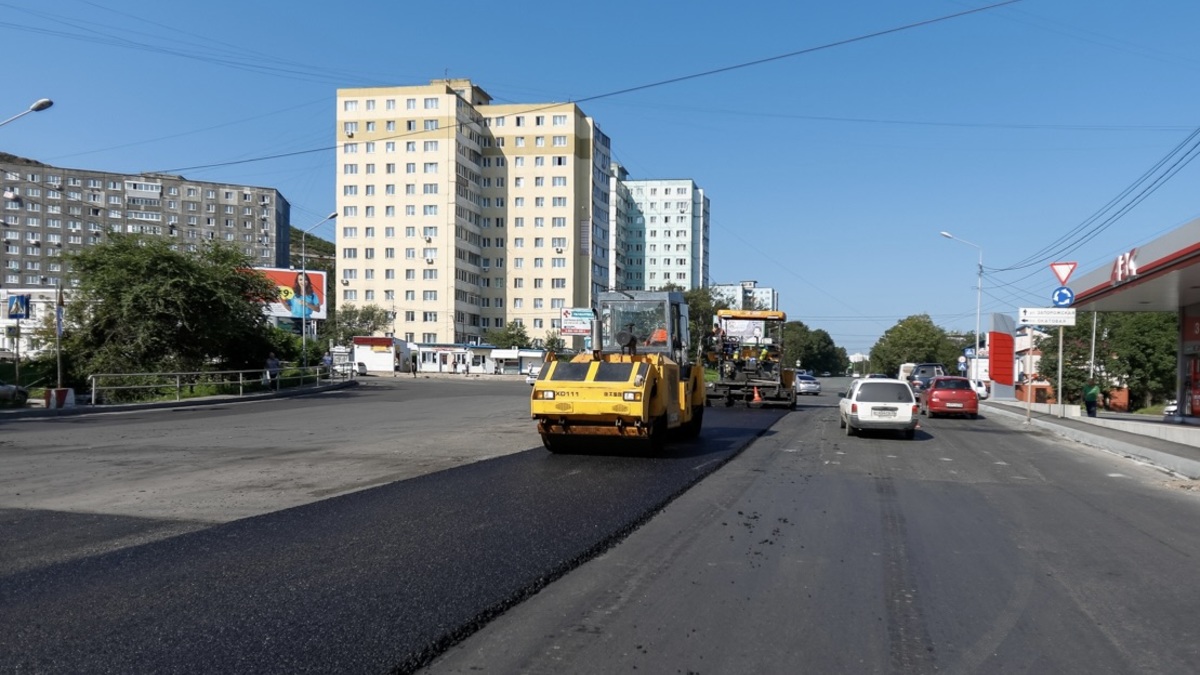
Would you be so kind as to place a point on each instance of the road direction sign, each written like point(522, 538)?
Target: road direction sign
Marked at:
point(577, 321)
point(1062, 297)
point(1046, 316)
point(1063, 271)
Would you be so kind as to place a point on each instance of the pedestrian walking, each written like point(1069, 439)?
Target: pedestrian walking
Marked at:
point(273, 370)
point(1091, 394)
point(414, 364)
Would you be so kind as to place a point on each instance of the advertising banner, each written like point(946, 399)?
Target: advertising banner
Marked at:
point(301, 293)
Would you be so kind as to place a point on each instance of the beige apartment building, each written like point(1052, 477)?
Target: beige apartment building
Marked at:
point(459, 215)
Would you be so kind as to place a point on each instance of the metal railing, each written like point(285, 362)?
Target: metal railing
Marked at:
point(144, 387)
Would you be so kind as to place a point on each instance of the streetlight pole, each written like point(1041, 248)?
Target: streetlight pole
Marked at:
point(304, 270)
point(978, 300)
point(38, 106)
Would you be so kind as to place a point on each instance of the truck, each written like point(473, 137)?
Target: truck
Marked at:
point(746, 350)
point(636, 387)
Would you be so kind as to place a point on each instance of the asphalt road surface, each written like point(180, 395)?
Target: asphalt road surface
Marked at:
point(976, 548)
point(380, 577)
point(419, 523)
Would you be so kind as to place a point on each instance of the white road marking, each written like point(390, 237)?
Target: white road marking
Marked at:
point(1001, 463)
point(1116, 475)
point(947, 459)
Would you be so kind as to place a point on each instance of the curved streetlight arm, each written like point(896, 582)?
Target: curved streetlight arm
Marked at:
point(38, 106)
point(978, 298)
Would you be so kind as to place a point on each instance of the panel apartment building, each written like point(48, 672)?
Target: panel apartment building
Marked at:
point(49, 211)
point(667, 234)
point(459, 215)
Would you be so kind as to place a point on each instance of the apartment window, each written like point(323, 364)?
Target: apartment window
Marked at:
point(429, 317)
point(431, 125)
point(428, 274)
point(559, 141)
point(429, 188)
point(430, 210)
point(349, 232)
point(349, 106)
point(347, 149)
point(429, 296)
point(431, 146)
point(349, 253)
point(431, 103)
point(349, 169)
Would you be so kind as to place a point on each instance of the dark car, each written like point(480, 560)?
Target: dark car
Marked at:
point(922, 373)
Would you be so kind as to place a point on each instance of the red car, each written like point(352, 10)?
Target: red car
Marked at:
point(947, 395)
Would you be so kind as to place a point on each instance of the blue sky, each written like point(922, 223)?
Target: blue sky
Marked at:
point(830, 171)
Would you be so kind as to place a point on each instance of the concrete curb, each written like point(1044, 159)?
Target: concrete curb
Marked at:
point(185, 403)
point(1162, 460)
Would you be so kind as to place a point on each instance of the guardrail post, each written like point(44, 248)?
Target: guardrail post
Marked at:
point(178, 388)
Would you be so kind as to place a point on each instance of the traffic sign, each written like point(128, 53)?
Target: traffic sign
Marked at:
point(1062, 297)
point(1046, 316)
point(1063, 271)
point(18, 306)
point(962, 367)
point(969, 352)
point(962, 359)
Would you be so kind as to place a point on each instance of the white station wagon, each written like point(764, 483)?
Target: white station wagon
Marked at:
point(877, 403)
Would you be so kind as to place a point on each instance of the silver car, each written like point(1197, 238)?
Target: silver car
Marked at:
point(531, 375)
point(807, 384)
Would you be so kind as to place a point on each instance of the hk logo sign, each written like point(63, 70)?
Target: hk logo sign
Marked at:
point(1124, 267)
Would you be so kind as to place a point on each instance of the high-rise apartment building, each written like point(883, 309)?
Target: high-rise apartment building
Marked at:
point(747, 295)
point(667, 236)
point(49, 211)
point(460, 215)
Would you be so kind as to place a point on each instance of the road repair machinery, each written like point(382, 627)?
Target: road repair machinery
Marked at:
point(746, 349)
point(636, 383)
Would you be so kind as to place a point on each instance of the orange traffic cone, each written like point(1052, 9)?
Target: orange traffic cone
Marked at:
point(757, 396)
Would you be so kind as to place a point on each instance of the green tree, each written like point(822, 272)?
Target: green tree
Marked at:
point(1143, 356)
point(1133, 349)
point(702, 307)
point(554, 342)
point(914, 339)
point(795, 344)
point(348, 321)
point(140, 306)
point(820, 353)
point(512, 335)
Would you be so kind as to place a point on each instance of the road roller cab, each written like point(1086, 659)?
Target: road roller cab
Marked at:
point(636, 386)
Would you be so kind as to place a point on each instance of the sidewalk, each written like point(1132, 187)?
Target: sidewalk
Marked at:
point(1173, 447)
point(39, 410)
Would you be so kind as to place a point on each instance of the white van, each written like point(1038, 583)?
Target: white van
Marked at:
point(905, 370)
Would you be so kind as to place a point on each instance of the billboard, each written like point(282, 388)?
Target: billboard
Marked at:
point(301, 293)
